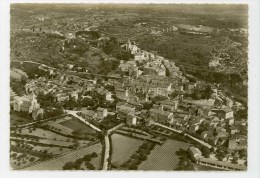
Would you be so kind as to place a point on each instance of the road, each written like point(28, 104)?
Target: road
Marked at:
point(191, 137)
point(106, 154)
point(107, 146)
point(74, 113)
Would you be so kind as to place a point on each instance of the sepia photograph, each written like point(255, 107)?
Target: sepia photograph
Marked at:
point(128, 87)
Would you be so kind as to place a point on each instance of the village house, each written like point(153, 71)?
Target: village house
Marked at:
point(103, 92)
point(168, 104)
point(62, 96)
point(131, 119)
point(101, 113)
point(195, 153)
point(160, 116)
point(88, 114)
point(229, 102)
point(123, 111)
point(127, 66)
point(237, 143)
point(122, 93)
point(190, 86)
point(225, 113)
point(37, 112)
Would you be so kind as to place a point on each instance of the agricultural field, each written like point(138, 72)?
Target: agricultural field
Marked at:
point(21, 159)
point(34, 144)
point(163, 157)
point(17, 118)
point(58, 163)
point(49, 137)
point(123, 147)
point(75, 124)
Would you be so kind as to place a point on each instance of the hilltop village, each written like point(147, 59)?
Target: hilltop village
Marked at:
point(150, 91)
point(81, 99)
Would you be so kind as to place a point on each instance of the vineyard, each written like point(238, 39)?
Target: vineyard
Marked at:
point(58, 163)
point(123, 147)
point(163, 157)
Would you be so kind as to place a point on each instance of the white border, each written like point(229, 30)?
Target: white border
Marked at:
point(254, 98)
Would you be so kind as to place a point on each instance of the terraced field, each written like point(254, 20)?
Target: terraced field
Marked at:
point(123, 147)
point(44, 134)
point(58, 163)
point(163, 157)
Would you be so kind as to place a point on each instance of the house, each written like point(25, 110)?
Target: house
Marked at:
point(90, 87)
point(160, 116)
point(62, 96)
point(168, 104)
point(69, 66)
point(229, 103)
point(149, 121)
point(123, 110)
point(204, 111)
point(105, 93)
point(125, 67)
point(37, 112)
point(109, 96)
point(131, 119)
point(195, 153)
point(190, 86)
point(74, 94)
point(122, 93)
point(101, 113)
point(237, 143)
point(88, 114)
point(225, 113)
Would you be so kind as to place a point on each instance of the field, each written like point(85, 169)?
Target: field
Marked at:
point(75, 124)
point(123, 147)
point(21, 159)
point(58, 163)
point(163, 157)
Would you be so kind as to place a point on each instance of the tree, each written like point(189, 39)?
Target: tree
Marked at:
point(94, 155)
point(220, 154)
point(205, 151)
point(87, 158)
point(68, 166)
point(234, 160)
